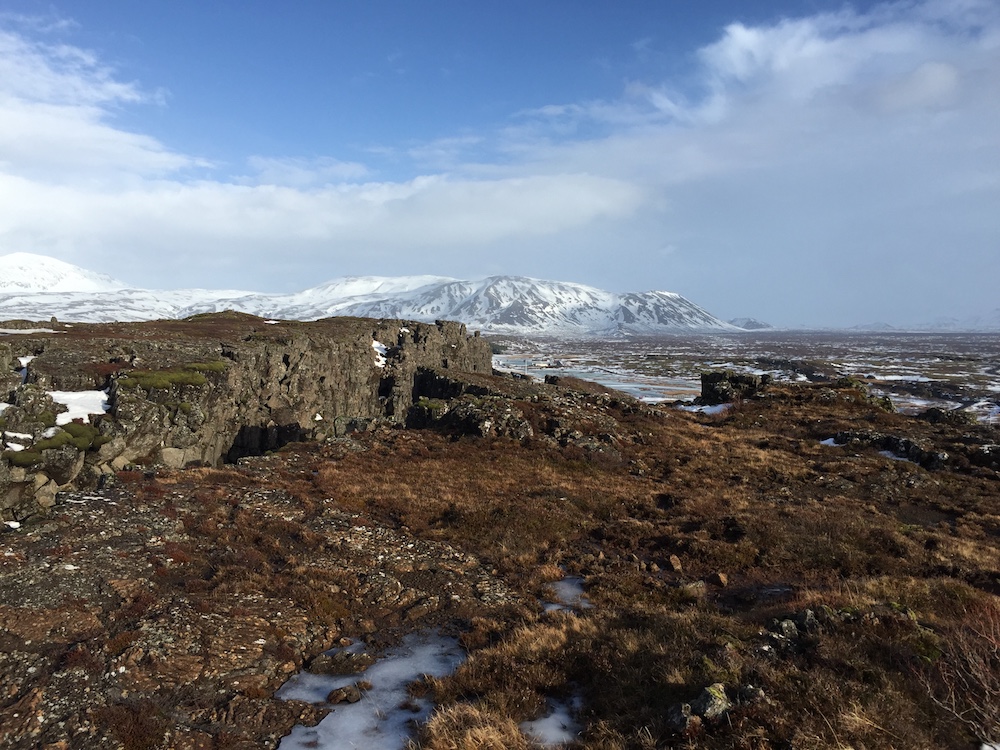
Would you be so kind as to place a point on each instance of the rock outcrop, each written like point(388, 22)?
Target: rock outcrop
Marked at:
point(207, 390)
point(724, 387)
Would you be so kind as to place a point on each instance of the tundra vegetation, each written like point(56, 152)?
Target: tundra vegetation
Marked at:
point(753, 583)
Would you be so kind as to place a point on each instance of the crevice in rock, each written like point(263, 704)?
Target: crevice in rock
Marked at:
point(256, 440)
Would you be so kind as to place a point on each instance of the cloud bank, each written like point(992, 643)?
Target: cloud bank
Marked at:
point(833, 169)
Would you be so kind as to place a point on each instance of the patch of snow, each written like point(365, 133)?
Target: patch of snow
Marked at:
point(18, 435)
point(50, 432)
point(829, 441)
point(379, 721)
point(26, 331)
point(13, 524)
point(69, 566)
point(380, 352)
point(318, 417)
point(3, 407)
point(717, 409)
point(272, 322)
point(81, 404)
point(14, 446)
point(558, 727)
point(904, 378)
point(894, 457)
point(568, 594)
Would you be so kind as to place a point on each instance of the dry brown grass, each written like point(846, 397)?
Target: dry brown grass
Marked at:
point(464, 726)
point(894, 558)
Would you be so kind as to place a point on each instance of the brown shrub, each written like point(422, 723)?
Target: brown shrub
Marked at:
point(137, 726)
point(964, 680)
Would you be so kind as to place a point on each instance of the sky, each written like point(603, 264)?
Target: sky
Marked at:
point(806, 163)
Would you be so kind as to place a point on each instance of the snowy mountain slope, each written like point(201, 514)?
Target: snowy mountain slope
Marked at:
point(650, 312)
point(750, 324)
point(27, 272)
point(505, 304)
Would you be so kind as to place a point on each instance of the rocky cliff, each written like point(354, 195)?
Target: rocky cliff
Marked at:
point(203, 391)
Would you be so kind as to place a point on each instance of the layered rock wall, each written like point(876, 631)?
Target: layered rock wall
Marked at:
point(211, 389)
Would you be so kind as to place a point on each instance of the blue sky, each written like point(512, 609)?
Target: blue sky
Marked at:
point(808, 163)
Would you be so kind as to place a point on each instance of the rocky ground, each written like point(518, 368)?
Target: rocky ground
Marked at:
point(753, 586)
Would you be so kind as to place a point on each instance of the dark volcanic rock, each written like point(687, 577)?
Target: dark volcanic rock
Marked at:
point(726, 387)
point(215, 388)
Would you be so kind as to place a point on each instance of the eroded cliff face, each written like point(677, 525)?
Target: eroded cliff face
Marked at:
point(205, 390)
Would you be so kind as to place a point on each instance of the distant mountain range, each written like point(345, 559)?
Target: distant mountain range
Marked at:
point(36, 287)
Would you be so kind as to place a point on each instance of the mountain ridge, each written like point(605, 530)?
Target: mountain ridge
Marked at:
point(27, 273)
point(497, 304)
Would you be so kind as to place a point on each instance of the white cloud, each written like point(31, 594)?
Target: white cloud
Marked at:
point(856, 148)
point(56, 117)
point(36, 71)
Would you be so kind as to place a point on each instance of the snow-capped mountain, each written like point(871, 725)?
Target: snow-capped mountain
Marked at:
point(750, 324)
point(27, 272)
point(501, 304)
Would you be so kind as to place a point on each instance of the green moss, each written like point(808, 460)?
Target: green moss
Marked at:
point(83, 437)
point(78, 430)
point(24, 459)
point(47, 418)
point(433, 405)
point(192, 373)
point(217, 365)
point(149, 380)
point(56, 441)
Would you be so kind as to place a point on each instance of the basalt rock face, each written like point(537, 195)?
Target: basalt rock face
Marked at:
point(210, 389)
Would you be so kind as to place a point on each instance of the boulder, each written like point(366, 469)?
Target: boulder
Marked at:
point(712, 702)
point(724, 387)
point(348, 694)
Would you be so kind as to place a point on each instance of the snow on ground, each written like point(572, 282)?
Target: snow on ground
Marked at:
point(20, 439)
point(81, 404)
point(568, 594)
point(558, 727)
point(716, 409)
point(380, 352)
point(894, 457)
point(378, 721)
point(26, 331)
point(649, 388)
